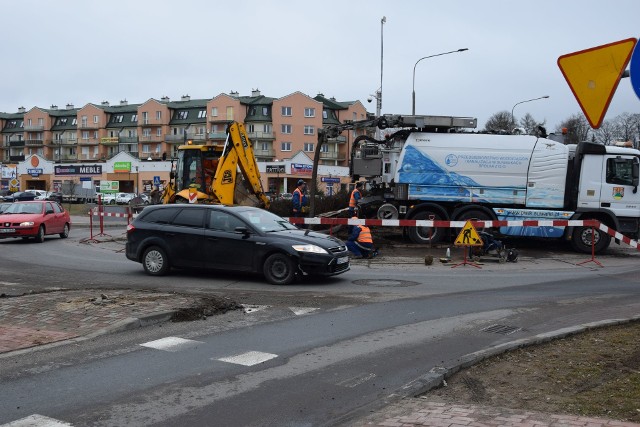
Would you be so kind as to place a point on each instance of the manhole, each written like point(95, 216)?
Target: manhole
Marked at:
point(501, 329)
point(383, 283)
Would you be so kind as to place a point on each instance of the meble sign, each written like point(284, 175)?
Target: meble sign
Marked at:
point(78, 170)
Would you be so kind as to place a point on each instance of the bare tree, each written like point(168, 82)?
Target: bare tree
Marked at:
point(499, 122)
point(530, 124)
point(578, 129)
point(626, 126)
point(606, 134)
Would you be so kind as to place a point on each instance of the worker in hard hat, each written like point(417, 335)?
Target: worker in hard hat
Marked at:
point(360, 242)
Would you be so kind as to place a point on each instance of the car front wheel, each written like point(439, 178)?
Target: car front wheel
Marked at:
point(155, 261)
point(40, 236)
point(279, 269)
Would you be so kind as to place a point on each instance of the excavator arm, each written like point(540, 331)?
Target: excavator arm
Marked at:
point(237, 154)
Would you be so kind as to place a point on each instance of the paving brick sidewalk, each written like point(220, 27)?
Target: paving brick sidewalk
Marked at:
point(43, 318)
point(420, 412)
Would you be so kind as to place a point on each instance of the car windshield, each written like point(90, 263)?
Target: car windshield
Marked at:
point(266, 221)
point(24, 208)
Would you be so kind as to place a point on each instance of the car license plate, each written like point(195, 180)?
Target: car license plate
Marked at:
point(343, 260)
point(7, 230)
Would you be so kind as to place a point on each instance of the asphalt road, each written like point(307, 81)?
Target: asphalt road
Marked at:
point(365, 336)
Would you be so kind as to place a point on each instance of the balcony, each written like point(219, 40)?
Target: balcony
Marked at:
point(174, 139)
point(128, 140)
point(217, 135)
point(329, 155)
point(33, 128)
point(16, 143)
point(151, 122)
point(152, 138)
point(89, 157)
point(19, 158)
point(34, 142)
point(152, 156)
point(264, 153)
point(340, 139)
point(87, 125)
point(260, 135)
point(90, 141)
point(64, 141)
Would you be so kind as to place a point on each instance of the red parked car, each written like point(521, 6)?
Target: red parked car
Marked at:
point(34, 219)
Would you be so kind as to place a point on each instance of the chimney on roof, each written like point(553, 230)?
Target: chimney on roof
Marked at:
point(321, 94)
point(54, 107)
point(255, 92)
point(333, 98)
point(105, 103)
point(165, 98)
point(234, 93)
point(124, 102)
point(69, 106)
point(21, 110)
point(186, 98)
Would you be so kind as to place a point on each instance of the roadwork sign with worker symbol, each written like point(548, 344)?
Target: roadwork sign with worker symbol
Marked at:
point(468, 236)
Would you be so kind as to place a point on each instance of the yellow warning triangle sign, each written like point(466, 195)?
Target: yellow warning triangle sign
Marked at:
point(468, 236)
point(593, 76)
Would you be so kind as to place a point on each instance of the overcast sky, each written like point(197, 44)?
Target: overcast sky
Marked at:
point(81, 51)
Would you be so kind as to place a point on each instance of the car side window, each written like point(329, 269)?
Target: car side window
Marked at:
point(189, 218)
point(159, 216)
point(222, 221)
point(56, 207)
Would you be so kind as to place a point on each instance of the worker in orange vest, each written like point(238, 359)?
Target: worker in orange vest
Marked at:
point(356, 195)
point(360, 242)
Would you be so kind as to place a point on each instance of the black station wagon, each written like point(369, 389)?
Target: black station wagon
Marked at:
point(236, 238)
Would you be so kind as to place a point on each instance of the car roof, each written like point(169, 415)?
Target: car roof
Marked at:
point(202, 205)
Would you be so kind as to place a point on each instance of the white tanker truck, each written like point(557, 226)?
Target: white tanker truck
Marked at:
point(438, 170)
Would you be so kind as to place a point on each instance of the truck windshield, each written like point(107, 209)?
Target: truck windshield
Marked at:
point(189, 169)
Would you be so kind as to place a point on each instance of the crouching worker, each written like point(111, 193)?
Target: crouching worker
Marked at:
point(360, 242)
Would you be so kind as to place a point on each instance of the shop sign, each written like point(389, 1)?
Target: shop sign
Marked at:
point(78, 170)
point(299, 168)
point(275, 169)
point(35, 172)
point(122, 167)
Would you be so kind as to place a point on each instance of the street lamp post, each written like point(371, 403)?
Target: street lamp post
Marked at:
point(522, 102)
point(413, 98)
point(379, 91)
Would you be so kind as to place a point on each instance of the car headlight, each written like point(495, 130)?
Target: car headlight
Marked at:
point(27, 224)
point(310, 248)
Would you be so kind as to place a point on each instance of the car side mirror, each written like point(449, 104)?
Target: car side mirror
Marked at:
point(242, 230)
point(635, 174)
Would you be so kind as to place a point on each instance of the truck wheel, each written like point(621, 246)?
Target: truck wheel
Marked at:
point(279, 269)
point(426, 234)
point(581, 239)
point(474, 215)
point(155, 261)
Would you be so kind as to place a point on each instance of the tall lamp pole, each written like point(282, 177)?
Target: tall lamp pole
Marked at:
point(379, 91)
point(522, 102)
point(413, 98)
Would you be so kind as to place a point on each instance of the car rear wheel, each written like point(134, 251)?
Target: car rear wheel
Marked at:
point(40, 236)
point(65, 232)
point(279, 269)
point(155, 261)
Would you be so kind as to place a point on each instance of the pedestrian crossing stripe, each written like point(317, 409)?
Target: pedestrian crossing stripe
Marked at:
point(249, 359)
point(468, 236)
point(171, 344)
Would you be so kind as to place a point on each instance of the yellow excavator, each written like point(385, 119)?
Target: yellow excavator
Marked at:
point(209, 173)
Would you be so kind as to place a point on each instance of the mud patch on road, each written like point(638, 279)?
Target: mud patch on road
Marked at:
point(205, 307)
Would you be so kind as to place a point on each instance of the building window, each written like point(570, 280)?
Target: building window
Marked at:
point(265, 111)
point(286, 111)
point(182, 115)
point(324, 148)
point(214, 112)
point(251, 128)
point(308, 146)
point(145, 148)
point(285, 146)
point(202, 114)
point(40, 121)
point(96, 119)
point(309, 112)
point(95, 134)
point(85, 135)
point(229, 113)
point(267, 128)
point(264, 146)
point(158, 115)
point(74, 122)
point(324, 114)
point(134, 118)
point(146, 132)
point(308, 130)
point(159, 132)
point(286, 129)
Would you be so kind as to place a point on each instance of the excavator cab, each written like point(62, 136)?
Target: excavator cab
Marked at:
point(196, 167)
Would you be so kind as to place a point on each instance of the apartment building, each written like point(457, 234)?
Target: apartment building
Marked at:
point(279, 128)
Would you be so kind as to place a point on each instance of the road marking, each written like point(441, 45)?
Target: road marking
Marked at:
point(249, 359)
point(171, 344)
point(300, 311)
point(36, 420)
point(254, 308)
point(357, 380)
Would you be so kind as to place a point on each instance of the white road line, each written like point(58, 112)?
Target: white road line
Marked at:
point(171, 344)
point(357, 380)
point(300, 311)
point(249, 359)
point(36, 420)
